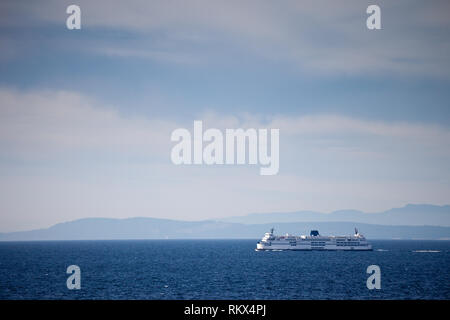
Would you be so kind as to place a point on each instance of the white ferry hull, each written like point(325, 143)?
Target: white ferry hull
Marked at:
point(260, 247)
point(315, 241)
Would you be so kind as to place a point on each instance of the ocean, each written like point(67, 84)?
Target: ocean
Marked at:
point(220, 269)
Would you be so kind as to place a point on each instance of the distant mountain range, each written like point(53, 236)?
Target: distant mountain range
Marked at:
point(409, 222)
point(409, 215)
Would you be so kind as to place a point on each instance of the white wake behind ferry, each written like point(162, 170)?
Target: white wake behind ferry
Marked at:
point(314, 241)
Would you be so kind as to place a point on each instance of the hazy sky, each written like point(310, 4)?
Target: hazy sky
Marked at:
point(86, 115)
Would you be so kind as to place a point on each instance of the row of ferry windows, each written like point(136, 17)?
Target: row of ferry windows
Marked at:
point(341, 244)
point(321, 240)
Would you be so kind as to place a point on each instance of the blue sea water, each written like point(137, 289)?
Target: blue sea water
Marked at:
point(220, 269)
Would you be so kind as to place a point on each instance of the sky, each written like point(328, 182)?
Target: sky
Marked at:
point(86, 115)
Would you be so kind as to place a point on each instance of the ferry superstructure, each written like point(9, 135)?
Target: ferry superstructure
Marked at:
point(314, 241)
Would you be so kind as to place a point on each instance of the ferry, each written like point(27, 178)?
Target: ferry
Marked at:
point(314, 241)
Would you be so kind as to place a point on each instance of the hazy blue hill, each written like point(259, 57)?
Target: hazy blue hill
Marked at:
point(411, 214)
point(104, 228)
point(409, 222)
point(151, 228)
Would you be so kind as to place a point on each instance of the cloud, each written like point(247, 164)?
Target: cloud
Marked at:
point(319, 37)
point(166, 56)
point(42, 123)
point(64, 155)
point(316, 127)
point(335, 124)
